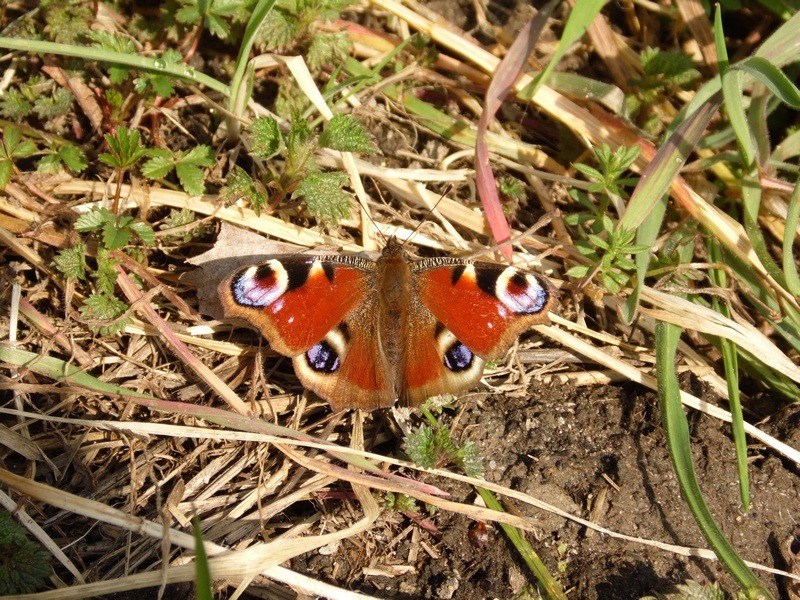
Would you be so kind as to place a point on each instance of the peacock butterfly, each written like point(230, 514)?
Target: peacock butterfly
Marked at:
point(363, 333)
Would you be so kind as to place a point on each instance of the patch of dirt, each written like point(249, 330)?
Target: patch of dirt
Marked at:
point(600, 454)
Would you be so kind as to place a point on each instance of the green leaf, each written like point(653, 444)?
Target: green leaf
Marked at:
point(72, 261)
point(328, 48)
point(105, 277)
point(51, 107)
point(14, 105)
point(94, 219)
point(73, 157)
point(241, 185)
point(124, 149)
point(144, 231)
point(103, 307)
point(579, 271)
point(5, 173)
point(265, 136)
point(680, 445)
point(346, 134)
point(300, 149)
point(323, 195)
point(115, 237)
point(419, 447)
point(202, 156)
point(191, 178)
point(160, 163)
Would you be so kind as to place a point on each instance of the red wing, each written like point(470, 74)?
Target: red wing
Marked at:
point(483, 304)
point(348, 367)
point(296, 300)
point(435, 361)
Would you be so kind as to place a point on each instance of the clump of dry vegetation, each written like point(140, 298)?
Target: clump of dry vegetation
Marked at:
point(642, 155)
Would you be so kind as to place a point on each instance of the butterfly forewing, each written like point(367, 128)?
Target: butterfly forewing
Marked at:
point(485, 305)
point(296, 300)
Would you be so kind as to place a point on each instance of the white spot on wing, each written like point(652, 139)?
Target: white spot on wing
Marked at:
point(248, 291)
point(528, 299)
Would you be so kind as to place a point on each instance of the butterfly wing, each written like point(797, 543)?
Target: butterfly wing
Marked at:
point(322, 312)
point(296, 300)
point(435, 361)
point(485, 305)
point(348, 367)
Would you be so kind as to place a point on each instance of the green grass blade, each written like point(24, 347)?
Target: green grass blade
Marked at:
point(789, 233)
point(731, 365)
point(677, 430)
point(143, 63)
point(551, 587)
point(202, 573)
point(241, 81)
point(580, 17)
point(60, 370)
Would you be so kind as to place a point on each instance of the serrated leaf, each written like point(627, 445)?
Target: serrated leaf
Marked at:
point(104, 307)
point(11, 137)
point(323, 195)
point(346, 134)
point(265, 136)
point(160, 163)
point(202, 156)
point(114, 237)
point(162, 85)
point(144, 231)
point(25, 149)
point(50, 163)
point(73, 157)
point(217, 26)
point(300, 148)
point(105, 277)
point(94, 219)
point(187, 14)
point(124, 149)
point(191, 178)
point(72, 261)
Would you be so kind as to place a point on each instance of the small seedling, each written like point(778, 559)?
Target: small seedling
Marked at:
point(23, 563)
point(431, 446)
point(322, 192)
point(187, 166)
point(11, 149)
point(607, 247)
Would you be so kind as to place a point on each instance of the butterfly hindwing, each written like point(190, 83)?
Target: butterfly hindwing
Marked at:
point(348, 366)
point(435, 362)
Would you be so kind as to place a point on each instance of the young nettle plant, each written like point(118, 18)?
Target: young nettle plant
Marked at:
point(23, 567)
point(665, 73)
point(300, 177)
point(606, 246)
point(431, 446)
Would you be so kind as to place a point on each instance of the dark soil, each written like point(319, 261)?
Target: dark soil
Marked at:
point(581, 450)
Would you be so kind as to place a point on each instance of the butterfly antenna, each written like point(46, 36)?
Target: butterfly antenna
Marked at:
point(429, 213)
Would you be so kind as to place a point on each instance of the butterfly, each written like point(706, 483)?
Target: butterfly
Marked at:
point(363, 333)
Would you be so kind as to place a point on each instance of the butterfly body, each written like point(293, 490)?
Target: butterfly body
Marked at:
point(363, 333)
